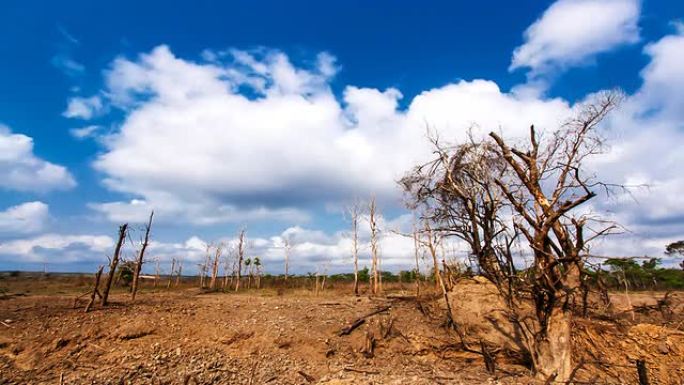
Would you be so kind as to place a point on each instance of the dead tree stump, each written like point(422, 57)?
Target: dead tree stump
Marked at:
point(642, 372)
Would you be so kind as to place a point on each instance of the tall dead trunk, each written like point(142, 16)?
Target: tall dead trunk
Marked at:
point(416, 251)
point(173, 269)
point(355, 247)
point(374, 247)
point(241, 256)
point(288, 246)
point(432, 248)
point(215, 268)
point(113, 263)
point(180, 270)
point(141, 256)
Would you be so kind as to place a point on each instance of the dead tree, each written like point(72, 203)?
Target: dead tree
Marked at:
point(375, 274)
point(416, 251)
point(204, 268)
point(157, 271)
point(173, 270)
point(215, 266)
point(180, 272)
point(141, 256)
point(95, 291)
point(288, 249)
point(431, 241)
point(114, 262)
point(471, 189)
point(354, 212)
point(240, 258)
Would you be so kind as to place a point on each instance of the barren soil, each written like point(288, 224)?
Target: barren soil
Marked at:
point(265, 338)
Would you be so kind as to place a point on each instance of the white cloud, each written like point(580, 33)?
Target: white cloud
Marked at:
point(214, 141)
point(646, 136)
point(84, 132)
point(21, 170)
point(571, 32)
point(56, 248)
point(68, 65)
point(84, 108)
point(27, 217)
point(196, 137)
point(203, 212)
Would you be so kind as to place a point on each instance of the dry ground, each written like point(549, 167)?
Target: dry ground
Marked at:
point(265, 338)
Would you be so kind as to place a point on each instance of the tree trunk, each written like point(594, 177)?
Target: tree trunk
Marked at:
point(114, 262)
point(552, 354)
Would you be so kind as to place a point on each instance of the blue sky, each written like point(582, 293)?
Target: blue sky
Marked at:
point(273, 115)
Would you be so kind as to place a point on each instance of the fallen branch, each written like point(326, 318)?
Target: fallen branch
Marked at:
point(364, 371)
point(361, 320)
point(307, 377)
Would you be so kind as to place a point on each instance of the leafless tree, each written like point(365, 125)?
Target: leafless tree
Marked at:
point(141, 256)
point(173, 270)
point(288, 249)
point(416, 251)
point(157, 271)
point(215, 266)
point(355, 212)
point(372, 220)
point(471, 190)
point(114, 262)
point(240, 257)
point(179, 272)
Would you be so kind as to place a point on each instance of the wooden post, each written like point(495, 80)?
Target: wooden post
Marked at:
point(95, 292)
point(138, 265)
point(114, 262)
point(642, 372)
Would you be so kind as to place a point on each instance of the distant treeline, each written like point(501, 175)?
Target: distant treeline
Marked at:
point(647, 275)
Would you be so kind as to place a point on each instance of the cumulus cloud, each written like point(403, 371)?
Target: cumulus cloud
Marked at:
point(242, 134)
point(251, 129)
point(84, 108)
point(27, 217)
point(22, 170)
point(646, 136)
point(571, 32)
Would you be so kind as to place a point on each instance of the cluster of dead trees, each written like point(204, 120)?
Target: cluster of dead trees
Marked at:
point(236, 267)
point(502, 196)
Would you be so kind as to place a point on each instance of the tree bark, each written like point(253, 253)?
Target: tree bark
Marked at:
point(552, 353)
